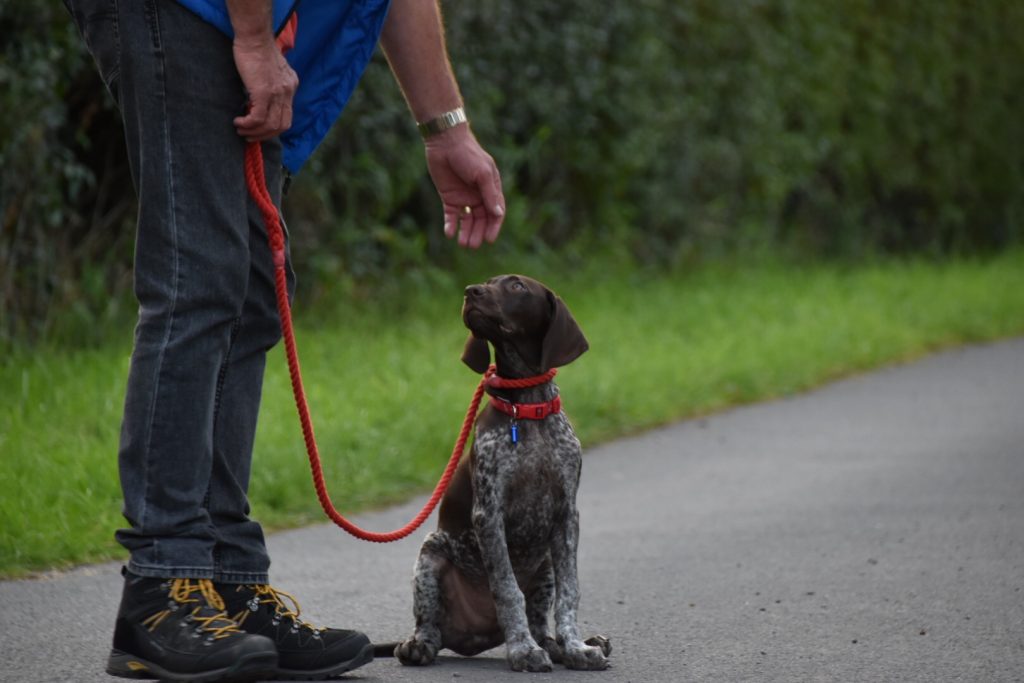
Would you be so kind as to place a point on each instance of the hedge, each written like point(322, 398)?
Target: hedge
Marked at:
point(671, 130)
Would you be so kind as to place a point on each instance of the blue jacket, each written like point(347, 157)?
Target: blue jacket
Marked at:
point(334, 42)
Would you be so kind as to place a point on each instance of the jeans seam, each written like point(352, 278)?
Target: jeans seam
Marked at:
point(161, 567)
point(175, 268)
point(152, 16)
point(218, 391)
point(236, 324)
point(171, 572)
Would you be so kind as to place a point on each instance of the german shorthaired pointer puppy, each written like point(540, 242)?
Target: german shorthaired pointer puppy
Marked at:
point(505, 548)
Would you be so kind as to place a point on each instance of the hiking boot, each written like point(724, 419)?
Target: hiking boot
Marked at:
point(305, 652)
point(177, 630)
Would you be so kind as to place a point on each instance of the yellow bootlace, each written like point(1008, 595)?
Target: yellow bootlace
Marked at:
point(266, 594)
point(181, 593)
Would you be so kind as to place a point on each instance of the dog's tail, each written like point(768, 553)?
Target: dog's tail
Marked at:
point(381, 650)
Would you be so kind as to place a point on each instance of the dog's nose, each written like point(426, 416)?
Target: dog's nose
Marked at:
point(474, 291)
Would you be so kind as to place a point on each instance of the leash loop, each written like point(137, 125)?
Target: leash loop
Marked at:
point(257, 185)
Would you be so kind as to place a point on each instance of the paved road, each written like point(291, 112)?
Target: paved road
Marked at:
point(869, 531)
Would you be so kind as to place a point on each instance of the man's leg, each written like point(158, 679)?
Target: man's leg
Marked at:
point(240, 553)
point(178, 93)
point(239, 556)
point(174, 80)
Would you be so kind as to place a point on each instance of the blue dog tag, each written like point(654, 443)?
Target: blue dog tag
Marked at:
point(515, 432)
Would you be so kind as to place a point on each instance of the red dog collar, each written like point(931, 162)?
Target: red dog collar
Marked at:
point(527, 411)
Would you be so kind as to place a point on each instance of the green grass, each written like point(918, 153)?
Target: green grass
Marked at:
point(388, 392)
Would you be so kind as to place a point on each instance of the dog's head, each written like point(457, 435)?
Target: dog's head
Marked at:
point(529, 326)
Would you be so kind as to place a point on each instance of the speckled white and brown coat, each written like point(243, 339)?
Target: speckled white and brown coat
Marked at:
point(504, 552)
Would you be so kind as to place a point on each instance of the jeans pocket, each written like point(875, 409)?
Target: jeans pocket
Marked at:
point(98, 23)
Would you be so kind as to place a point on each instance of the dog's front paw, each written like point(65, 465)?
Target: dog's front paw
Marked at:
point(415, 652)
point(529, 658)
point(592, 656)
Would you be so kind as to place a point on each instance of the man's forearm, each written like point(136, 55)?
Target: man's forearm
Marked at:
point(251, 19)
point(413, 41)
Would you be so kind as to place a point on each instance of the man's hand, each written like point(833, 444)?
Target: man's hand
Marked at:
point(466, 176)
point(266, 75)
point(271, 84)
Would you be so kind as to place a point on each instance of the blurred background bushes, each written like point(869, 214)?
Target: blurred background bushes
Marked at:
point(663, 131)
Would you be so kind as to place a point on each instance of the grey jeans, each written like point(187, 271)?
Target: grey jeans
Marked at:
point(204, 282)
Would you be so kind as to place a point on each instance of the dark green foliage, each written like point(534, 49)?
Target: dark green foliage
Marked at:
point(669, 130)
point(65, 194)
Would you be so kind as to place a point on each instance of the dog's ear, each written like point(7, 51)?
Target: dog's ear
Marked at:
point(564, 341)
point(477, 354)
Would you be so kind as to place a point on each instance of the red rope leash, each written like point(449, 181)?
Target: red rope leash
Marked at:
point(257, 184)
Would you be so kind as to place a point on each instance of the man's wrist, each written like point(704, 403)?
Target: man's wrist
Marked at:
point(439, 124)
point(251, 22)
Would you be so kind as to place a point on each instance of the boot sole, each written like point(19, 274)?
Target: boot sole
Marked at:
point(253, 667)
point(365, 656)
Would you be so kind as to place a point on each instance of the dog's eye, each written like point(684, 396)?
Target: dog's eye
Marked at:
point(518, 286)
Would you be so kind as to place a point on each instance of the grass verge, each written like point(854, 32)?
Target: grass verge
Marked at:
point(388, 392)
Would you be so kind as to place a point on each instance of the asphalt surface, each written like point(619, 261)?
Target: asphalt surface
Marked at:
point(872, 530)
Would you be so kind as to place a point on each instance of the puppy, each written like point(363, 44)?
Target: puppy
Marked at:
point(504, 552)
